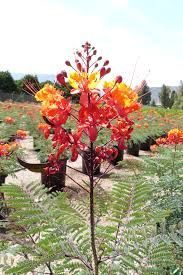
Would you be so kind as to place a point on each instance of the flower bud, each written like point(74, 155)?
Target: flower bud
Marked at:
point(60, 79)
point(99, 58)
point(79, 67)
point(79, 54)
point(94, 52)
point(118, 79)
point(68, 63)
point(96, 65)
point(102, 71)
point(106, 63)
point(88, 58)
point(64, 73)
point(108, 70)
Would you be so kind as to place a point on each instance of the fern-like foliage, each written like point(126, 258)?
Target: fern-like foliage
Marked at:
point(167, 181)
point(50, 234)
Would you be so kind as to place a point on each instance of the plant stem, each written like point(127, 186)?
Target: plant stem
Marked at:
point(173, 161)
point(92, 218)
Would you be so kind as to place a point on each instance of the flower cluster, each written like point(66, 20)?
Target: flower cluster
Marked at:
point(54, 106)
point(44, 128)
point(7, 148)
point(105, 153)
point(9, 120)
point(175, 136)
point(21, 134)
point(101, 105)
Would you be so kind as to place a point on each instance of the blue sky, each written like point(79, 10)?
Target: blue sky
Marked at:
point(37, 36)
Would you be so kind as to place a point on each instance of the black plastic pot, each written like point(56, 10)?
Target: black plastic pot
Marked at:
point(133, 149)
point(145, 146)
point(119, 156)
point(2, 179)
point(12, 138)
point(55, 182)
point(86, 164)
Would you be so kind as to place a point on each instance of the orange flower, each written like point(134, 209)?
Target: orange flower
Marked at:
point(9, 120)
point(161, 141)
point(45, 129)
point(121, 93)
point(48, 94)
point(175, 136)
point(154, 148)
point(84, 80)
point(4, 149)
point(54, 106)
point(21, 134)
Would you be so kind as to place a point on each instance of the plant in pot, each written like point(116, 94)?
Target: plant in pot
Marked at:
point(92, 239)
point(133, 148)
point(8, 161)
point(55, 180)
point(8, 166)
point(94, 113)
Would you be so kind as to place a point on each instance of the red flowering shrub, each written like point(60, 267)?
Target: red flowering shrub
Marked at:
point(102, 105)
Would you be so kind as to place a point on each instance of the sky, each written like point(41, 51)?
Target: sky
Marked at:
point(143, 39)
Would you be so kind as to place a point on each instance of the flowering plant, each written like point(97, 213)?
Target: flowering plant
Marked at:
point(174, 137)
point(102, 105)
point(8, 162)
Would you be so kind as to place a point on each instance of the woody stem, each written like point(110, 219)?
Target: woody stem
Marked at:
point(92, 217)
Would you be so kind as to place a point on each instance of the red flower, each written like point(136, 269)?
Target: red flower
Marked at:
point(9, 120)
point(45, 129)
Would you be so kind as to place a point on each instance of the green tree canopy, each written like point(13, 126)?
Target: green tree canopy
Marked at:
point(28, 79)
point(145, 95)
point(153, 103)
point(164, 96)
point(7, 83)
point(178, 103)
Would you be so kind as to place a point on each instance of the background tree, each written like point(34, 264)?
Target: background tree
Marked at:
point(178, 102)
point(145, 94)
point(164, 96)
point(28, 79)
point(153, 103)
point(7, 83)
point(172, 98)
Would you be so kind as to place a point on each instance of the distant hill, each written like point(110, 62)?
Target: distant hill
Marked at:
point(155, 91)
point(44, 77)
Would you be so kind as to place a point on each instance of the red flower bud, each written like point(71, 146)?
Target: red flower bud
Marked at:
point(79, 54)
point(60, 79)
point(68, 63)
point(102, 71)
point(93, 133)
point(94, 52)
point(79, 67)
point(88, 58)
point(99, 58)
point(64, 73)
point(118, 79)
point(108, 70)
point(96, 65)
point(106, 63)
